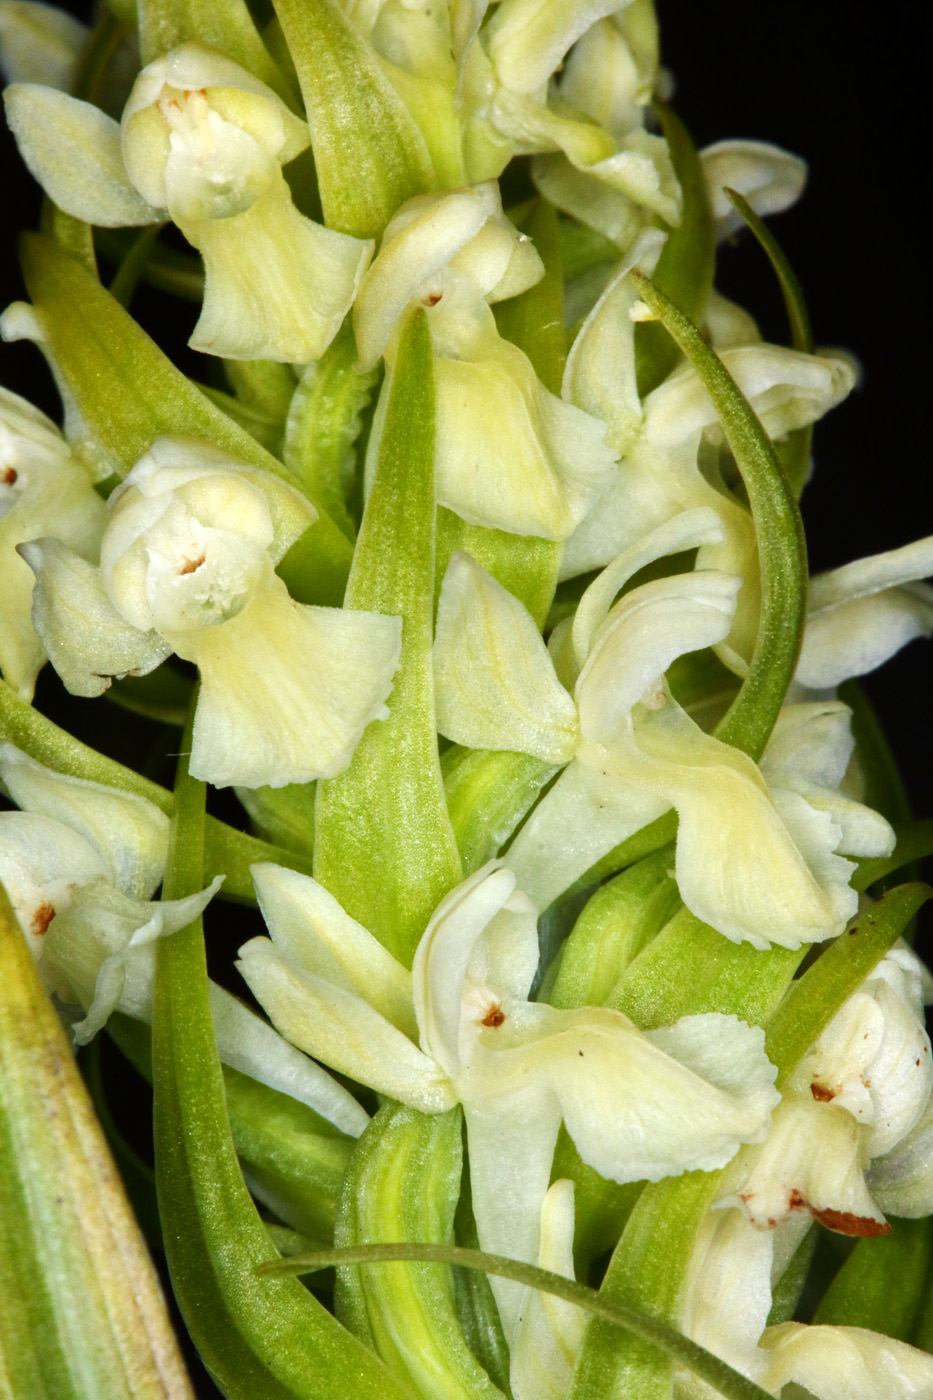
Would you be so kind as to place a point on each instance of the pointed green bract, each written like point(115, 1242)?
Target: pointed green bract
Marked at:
point(369, 155)
point(384, 846)
point(701, 1362)
point(259, 1341)
point(815, 997)
point(685, 267)
point(489, 791)
point(82, 1310)
point(402, 1184)
point(781, 549)
point(129, 393)
point(795, 450)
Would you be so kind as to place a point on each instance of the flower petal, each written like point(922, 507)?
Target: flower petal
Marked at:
point(511, 1139)
point(638, 1107)
point(845, 1363)
point(861, 614)
point(277, 285)
point(342, 1030)
point(287, 689)
point(88, 641)
point(443, 956)
point(787, 389)
point(311, 929)
point(73, 150)
point(586, 813)
point(770, 178)
point(129, 833)
point(549, 1331)
point(510, 455)
point(494, 681)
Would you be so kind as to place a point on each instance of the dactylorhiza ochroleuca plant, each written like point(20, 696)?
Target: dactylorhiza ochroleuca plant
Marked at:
point(567, 845)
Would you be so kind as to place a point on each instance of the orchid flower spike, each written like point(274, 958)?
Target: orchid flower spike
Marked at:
point(187, 565)
point(44, 490)
point(757, 849)
point(202, 142)
point(509, 455)
point(81, 862)
point(460, 1028)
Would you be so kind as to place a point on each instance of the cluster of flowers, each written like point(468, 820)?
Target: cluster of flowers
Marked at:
point(602, 483)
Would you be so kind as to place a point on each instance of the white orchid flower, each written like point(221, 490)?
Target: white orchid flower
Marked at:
point(81, 862)
point(757, 862)
point(187, 566)
point(202, 142)
point(459, 1028)
point(859, 1092)
point(859, 615)
point(606, 169)
point(660, 440)
point(509, 455)
point(770, 178)
point(44, 490)
point(725, 1307)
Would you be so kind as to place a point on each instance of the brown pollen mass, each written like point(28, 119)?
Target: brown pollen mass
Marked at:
point(819, 1091)
point(10, 476)
point(494, 1017)
point(190, 566)
point(42, 917)
point(433, 298)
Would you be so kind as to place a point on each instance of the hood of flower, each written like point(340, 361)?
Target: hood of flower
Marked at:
point(189, 556)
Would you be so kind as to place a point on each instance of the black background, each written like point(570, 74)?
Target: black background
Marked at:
point(845, 87)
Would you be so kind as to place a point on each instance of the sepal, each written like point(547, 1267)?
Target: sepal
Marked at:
point(40, 43)
point(862, 613)
point(73, 149)
point(770, 178)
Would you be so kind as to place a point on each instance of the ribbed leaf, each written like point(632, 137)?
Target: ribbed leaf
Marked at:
point(402, 1184)
point(82, 1313)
